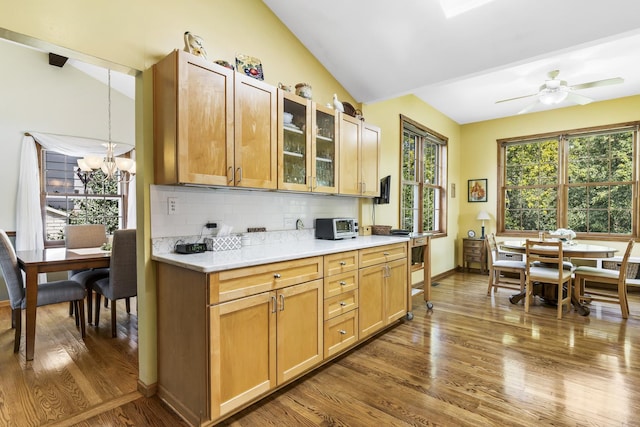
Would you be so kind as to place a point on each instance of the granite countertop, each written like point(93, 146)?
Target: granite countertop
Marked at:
point(208, 262)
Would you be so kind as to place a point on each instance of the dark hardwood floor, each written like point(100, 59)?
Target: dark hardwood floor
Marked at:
point(475, 360)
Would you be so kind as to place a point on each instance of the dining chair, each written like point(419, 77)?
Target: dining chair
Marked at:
point(545, 264)
point(587, 279)
point(86, 236)
point(498, 268)
point(48, 293)
point(122, 280)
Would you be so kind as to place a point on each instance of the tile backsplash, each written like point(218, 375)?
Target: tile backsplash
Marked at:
point(193, 207)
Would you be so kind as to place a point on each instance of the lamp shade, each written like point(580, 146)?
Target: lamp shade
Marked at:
point(483, 215)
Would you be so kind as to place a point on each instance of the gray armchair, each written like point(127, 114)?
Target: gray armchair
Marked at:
point(48, 293)
point(122, 281)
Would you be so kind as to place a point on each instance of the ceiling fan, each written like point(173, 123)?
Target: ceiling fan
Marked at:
point(554, 91)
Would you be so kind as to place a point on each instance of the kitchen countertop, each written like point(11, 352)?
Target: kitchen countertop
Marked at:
point(209, 262)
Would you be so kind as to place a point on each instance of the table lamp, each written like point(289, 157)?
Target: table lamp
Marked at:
point(482, 216)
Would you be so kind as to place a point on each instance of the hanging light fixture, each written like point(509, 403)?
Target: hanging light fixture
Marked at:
point(122, 169)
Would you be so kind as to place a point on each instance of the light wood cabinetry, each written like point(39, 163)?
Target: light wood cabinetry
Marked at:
point(307, 150)
point(212, 126)
point(193, 120)
point(256, 143)
point(359, 157)
point(382, 287)
point(341, 302)
point(229, 338)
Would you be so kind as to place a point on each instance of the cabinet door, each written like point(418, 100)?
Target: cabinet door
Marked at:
point(300, 318)
point(193, 120)
point(396, 290)
point(256, 145)
point(371, 311)
point(369, 158)
point(294, 142)
point(323, 168)
point(242, 352)
point(349, 176)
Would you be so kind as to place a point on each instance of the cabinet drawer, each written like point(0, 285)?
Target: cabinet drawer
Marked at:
point(340, 333)
point(380, 254)
point(473, 251)
point(419, 241)
point(231, 284)
point(473, 244)
point(340, 304)
point(339, 283)
point(340, 263)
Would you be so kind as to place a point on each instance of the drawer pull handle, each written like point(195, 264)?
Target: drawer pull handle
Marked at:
point(343, 304)
point(343, 283)
point(281, 302)
point(274, 301)
point(343, 263)
point(342, 332)
point(276, 276)
point(385, 253)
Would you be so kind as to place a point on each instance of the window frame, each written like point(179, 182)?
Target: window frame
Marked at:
point(441, 203)
point(123, 195)
point(563, 183)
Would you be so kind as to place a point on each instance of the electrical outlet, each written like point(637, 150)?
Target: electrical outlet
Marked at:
point(172, 205)
point(289, 222)
point(365, 230)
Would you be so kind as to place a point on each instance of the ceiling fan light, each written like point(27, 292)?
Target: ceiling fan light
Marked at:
point(552, 96)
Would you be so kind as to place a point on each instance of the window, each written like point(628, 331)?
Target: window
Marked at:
point(72, 197)
point(424, 172)
point(583, 180)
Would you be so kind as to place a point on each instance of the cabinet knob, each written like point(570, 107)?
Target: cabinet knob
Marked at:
point(342, 332)
point(276, 276)
point(343, 263)
point(343, 304)
point(343, 283)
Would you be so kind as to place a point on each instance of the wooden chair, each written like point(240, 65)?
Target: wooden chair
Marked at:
point(48, 293)
point(585, 275)
point(86, 236)
point(122, 280)
point(545, 265)
point(498, 267)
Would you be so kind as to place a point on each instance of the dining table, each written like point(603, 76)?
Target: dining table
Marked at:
point(34, 262)
point(570, 249)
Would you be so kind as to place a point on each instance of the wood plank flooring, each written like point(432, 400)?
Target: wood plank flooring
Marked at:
point(475, 360)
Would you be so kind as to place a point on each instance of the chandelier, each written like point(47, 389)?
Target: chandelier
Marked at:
point(121, 169)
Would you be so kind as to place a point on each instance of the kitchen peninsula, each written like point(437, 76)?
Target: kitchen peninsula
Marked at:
point(234, 326)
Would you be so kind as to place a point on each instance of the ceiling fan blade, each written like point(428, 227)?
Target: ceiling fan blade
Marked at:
point(517, 97)
point(528, 108)
point(578, 99)
point(598, 83)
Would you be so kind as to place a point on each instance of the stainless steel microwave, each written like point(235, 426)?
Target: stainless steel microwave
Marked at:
point(336, 228)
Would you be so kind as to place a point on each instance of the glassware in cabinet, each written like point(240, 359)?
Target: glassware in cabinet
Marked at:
point(294, 142)
point(324, 170)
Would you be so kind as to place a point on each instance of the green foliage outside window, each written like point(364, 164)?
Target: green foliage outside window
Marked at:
point(598, 177)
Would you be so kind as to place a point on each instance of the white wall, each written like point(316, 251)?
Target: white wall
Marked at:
point(240, 209)
point(35, 96)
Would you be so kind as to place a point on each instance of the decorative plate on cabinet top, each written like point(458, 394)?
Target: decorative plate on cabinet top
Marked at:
point(250, 66)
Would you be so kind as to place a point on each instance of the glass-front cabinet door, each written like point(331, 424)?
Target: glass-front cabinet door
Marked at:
point(294, 142)
point(324, 166)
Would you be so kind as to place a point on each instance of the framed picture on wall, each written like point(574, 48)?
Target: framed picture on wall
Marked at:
point(477, 190)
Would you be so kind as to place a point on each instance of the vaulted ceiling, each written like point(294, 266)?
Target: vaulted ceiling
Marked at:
point(462, 65)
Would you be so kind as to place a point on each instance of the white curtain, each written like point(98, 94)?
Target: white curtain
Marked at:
point(29, 234)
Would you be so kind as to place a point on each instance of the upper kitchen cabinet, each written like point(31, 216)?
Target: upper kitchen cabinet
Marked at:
point(369, 160)
point(256, 144)
point(359, 156)
point(307, 148)
point(193, 121)
point(294, 142)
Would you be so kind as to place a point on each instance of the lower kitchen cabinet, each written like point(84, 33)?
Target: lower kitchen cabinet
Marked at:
point(383, 288)
point(228, 338)
point(261, 341)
